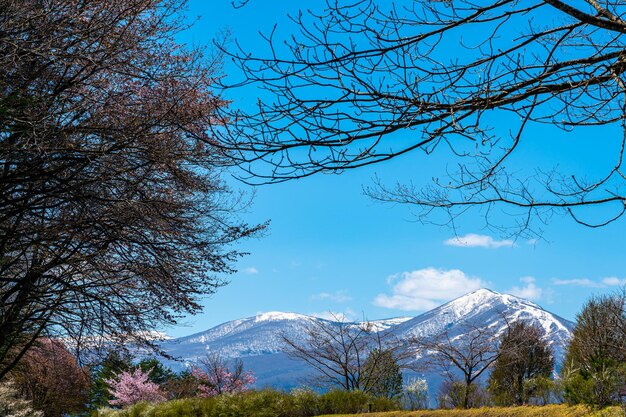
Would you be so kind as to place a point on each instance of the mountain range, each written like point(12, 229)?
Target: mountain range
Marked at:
point(258, 340)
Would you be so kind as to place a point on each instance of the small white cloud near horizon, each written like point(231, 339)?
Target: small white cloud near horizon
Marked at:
point(337, 297)
point(586, 282)
point(529, 292)
point(250, 270)
point(473, 240)
point(614, 281)
point(427, 288)
point(582, 282)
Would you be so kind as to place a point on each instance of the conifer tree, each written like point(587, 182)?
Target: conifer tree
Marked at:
point(524, 357)
point(114, 363)
point(594, 368)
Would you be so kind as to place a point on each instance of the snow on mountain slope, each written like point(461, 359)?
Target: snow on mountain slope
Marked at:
point(258, 335)
point(385, 324)
point(258, 340)
point(483, 307)
point(487, 308)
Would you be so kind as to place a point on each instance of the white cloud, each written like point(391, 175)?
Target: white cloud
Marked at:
point(472, 240)
point(586, 282)
point(250, 270)
point(530, 291)
point(427, 288)
point(614, 281)
point(581, 282)
point(337, 297)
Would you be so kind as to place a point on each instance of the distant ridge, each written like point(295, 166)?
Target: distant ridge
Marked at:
point(258, 340)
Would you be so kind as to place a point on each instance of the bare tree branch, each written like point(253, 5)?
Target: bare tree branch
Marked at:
point(341, 352)
point(361, 83)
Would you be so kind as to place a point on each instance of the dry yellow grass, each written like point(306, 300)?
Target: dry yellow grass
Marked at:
point(547, 411)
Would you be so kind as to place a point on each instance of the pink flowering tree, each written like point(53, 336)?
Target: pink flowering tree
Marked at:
point(129, 388)
point(216, 378)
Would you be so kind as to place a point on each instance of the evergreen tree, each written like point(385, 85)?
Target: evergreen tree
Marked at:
point(158, 373)
point(114, 363)
point(182, 385)
point(525, 357)
point(594, 365)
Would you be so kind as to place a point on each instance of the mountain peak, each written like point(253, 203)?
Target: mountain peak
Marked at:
point(482, 293)
point(485, 291)
point(484, 296)
point(478, 299)
point(278, 315)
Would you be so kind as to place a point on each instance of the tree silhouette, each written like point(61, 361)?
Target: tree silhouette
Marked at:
point(350, 356)
point(461, 360)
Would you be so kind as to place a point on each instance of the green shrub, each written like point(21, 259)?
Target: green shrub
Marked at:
point(385, 404)
point(347, 402)
point(262, 403)
point(305, 402)
point(578, 389)
point(204, 408)
point(107, 412)
point(190, 407)
point(140, 409)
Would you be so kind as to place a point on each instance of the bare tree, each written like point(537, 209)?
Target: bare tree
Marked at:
point(113, 215)
point(467, 356)
point(362, 82)
point(217, 376)
point(348, 355)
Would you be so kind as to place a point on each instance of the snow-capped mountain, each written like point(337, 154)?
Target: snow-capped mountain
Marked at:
point(258, 340)
point(258, 335)
point(487, 308)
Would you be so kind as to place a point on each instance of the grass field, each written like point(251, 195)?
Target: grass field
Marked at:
point(547, 411)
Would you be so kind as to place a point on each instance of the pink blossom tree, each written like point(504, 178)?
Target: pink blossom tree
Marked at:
point(216, 378)
point(129, 388)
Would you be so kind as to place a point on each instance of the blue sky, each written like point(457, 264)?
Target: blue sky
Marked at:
point(331, 248)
